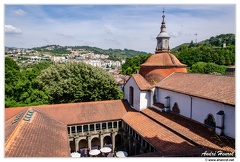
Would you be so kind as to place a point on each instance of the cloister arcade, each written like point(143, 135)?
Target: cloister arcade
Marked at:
point(113, 134)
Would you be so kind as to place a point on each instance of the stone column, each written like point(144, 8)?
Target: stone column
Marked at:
point(76, 130)
point(101, 141)
point(70, 129)
point(113, 141)
point(76, 144)
point(89, 142)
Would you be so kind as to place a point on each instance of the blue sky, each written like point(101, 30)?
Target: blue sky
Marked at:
point(114, 26)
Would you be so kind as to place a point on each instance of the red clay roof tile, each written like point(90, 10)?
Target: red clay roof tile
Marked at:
point(42, 136)
point(141, 82)
point(189, 129)
point(213, 87)
point(163, 59)
point(10, 112)
point(86, 112)
point(159, 137)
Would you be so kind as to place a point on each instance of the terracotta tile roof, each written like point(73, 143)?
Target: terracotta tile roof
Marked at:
point(42, 136)
point(191, 130)
point(163, 59)
point(141, 82)
point(195, 152)
point(86, 112)
point(159, 137)
point(10, 112)
point(11, 123)
point(233, 67)
point(213, 87)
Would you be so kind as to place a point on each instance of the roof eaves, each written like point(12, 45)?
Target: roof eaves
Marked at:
point(199, 96)
point(148, 87)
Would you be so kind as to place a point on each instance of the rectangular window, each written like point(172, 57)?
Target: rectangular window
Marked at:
point(103, 125)
point(148, 146)
point(152, 149)
point(144, 143)
point(68, 128)
point(85, 128)
point(73, 129)
point(92, 127)
point(109, 125)
point(79, 129)
point(114, 124)
point(120, 124)
point(98, 126)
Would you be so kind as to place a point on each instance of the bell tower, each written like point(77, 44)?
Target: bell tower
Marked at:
point(162, 38)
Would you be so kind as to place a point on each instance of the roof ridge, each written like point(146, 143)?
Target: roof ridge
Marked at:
point(173, 61)
point(49, 116)
point(149, 86)
point(167, 77)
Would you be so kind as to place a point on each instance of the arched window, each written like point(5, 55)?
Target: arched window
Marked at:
point(210, 121)
point(175, 108)
point(131, 95)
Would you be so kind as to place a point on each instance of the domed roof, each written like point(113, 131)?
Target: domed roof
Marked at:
point(163, 59)
point(163, 34)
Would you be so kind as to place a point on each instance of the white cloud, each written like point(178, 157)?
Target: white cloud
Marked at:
point(19, 12)
point(64, 35)
point(12, 30)
point(132, 27)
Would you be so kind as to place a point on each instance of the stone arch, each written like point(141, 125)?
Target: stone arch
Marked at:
point(107, 140)
point(118, 140)
point(95, 142)
point(175, 108)
point(210, 121)
point(83, 144)
point(72, 146)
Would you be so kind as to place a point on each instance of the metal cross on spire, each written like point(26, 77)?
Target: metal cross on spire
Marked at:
point(163, 13)
point(163, 16)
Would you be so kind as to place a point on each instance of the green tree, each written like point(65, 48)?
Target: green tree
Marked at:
point(78, 82)
point(198, 67)
point(208, 68)
point(132, 65)
point(12, 75)
point(21, 88)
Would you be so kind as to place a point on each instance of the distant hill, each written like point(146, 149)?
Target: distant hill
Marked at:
point(10, 48)
point(219, 40)
point(219, 50)
point(216, 41)
point(114, 54)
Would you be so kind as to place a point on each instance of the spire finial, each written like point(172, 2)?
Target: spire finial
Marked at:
point(163, 16)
